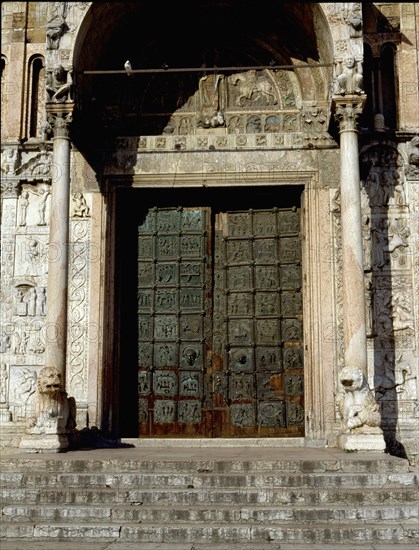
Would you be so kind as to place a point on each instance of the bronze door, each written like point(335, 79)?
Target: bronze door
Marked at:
point(220, 323)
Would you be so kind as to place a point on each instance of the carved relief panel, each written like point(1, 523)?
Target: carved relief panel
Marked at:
point(389, 284)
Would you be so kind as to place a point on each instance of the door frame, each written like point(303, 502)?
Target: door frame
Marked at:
point(319, 302)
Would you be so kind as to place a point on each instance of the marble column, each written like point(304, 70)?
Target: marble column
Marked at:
point(56, 314)
point(354, 321)
point(360, 413)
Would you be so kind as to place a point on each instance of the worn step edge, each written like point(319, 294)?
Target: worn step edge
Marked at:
point(28, 544)
point(203, 480)
point(367, 532)
point(285, 496)
point(220, 513)
point(64, 465)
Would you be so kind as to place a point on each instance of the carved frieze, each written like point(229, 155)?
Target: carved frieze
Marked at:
point(78, 299)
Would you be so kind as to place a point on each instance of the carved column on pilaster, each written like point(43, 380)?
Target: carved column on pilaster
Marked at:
point(59, 119)
point(360, 412)
point(355, 340)
point(54, 412)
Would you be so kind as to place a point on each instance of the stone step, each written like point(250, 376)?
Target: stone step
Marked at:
point(406, 531)
point(245, 495)
point(204, 513)
point(68, 464)
point(68, 544)
point(208, 480)
point(183, 496)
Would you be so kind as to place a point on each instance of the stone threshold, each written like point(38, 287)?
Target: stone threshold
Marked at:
point(219, 442)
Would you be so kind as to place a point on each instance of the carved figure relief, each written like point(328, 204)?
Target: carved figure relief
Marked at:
point(25, 386)
point(33, 257)
point(211, 101)
point(387, 238)
point(5, 342)
point(42, 205)
point(348, 76)
point(4, 380)
point(80, 207)
point(253, 89)
point(314, 119)
point(354, 20)
point(9, 160)
point(412, 169)
point(404, 379)
point(379, 233)
point(398, 234)
point(213, 121)
point(41, 301)
point(366, 239)
point(393, 311)
point(55, 30)
point(402, 316)
point(59, 85)
point(41, 165)
point(30, 301)
point(23, 207)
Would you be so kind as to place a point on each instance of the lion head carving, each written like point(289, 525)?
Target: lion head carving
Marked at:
point(357, 404)
point(49, 381)
point(54, 411)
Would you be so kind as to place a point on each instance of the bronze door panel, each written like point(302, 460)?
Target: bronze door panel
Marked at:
point(258, 385)
point(173, 299)
point(220, 336)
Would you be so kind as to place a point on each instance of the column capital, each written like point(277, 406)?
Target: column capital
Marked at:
point(59, 118)
point(347, 110)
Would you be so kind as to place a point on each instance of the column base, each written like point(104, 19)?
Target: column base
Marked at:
point(361, 442)
point(44, 443)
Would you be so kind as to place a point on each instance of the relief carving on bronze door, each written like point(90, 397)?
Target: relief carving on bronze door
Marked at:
point(220, 343)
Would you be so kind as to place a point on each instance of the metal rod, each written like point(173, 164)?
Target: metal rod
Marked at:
point(210, 69)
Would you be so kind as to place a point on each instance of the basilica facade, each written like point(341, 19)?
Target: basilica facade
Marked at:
point(210, 223)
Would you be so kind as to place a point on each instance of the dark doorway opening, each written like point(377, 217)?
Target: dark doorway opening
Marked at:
point(132, 206)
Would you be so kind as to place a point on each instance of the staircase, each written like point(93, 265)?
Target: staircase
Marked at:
point(211, 498)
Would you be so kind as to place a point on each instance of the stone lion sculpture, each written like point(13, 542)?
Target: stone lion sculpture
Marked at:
point(55, 413)
point(357, 404)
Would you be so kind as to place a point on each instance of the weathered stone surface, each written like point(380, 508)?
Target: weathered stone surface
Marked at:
point(205, 502)
point(248, 129)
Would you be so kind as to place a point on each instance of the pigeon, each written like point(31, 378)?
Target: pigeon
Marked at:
point(128, 68)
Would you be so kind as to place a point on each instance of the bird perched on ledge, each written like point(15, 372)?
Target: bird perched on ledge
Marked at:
point(128, 68)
